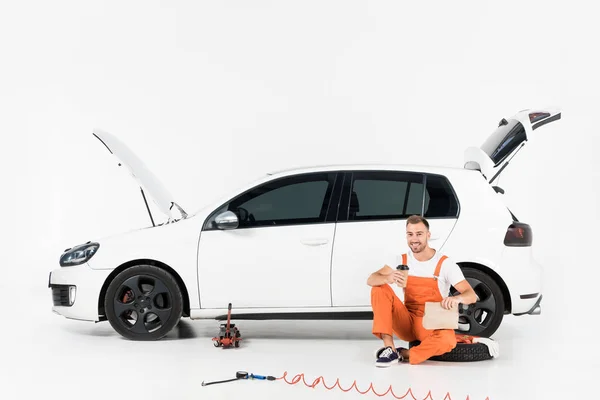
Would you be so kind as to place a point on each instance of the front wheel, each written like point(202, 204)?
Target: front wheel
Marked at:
point(143, 303)
point(482, 318)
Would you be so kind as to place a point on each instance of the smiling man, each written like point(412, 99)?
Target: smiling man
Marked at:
point(429, 279)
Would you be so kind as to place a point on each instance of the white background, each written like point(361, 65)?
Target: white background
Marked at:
point(212, 94)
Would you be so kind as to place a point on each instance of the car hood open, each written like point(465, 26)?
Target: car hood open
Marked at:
point(148, 182)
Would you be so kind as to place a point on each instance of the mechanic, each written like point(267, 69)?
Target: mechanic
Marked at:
point(430, 274)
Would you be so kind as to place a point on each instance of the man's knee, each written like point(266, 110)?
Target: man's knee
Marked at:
point(380, 297)
point(381, 291)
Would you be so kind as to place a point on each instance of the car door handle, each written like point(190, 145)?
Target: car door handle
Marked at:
point(314, 242)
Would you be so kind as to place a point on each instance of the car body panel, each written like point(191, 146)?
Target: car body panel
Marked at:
point(279, 266)
point(479, 231)
point(174, 245)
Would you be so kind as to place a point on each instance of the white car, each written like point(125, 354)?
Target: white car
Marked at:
point(300, 244)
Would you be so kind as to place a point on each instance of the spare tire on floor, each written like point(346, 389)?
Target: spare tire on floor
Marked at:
point(462, 352)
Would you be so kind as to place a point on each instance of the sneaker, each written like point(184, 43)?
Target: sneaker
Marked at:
point(381, 349)
point(387, 357)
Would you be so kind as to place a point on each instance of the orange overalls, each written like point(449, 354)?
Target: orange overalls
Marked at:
point(406, 319)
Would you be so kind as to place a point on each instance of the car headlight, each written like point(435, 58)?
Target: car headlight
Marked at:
point(79, 254)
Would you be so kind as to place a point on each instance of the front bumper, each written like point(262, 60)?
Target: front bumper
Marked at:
point(76, 291)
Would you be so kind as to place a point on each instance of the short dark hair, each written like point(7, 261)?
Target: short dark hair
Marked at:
point(415, 219)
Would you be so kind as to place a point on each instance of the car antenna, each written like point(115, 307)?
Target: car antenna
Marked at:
point(148, 208)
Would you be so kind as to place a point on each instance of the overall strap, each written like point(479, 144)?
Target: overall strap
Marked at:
point(404, 259)
point(436, 274)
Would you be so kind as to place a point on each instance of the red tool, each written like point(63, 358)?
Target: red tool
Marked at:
point(229, 334)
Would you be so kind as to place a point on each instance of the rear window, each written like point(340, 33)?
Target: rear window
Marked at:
point(504, 140)
point(440, 200)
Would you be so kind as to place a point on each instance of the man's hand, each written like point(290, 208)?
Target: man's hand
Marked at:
point(398, 278)
point(386, 275)
point(450, 302)
point(467, 294)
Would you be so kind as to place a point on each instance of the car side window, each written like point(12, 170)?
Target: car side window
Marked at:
point(440, 199)
point(299, 199)
point(382, 195)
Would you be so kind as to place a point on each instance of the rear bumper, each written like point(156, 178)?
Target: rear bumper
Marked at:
point(536, 309)
point(523, 277)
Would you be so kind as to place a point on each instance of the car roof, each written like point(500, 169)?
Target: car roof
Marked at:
point(367, 166)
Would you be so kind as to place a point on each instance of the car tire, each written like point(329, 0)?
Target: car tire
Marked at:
point(463, 352)
point(143, 302)
point(484, 317)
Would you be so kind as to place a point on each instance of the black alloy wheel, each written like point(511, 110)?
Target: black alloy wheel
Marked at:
point(143, 303)
point(482, 318)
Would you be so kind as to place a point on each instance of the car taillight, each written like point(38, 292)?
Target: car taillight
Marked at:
point(518, 234)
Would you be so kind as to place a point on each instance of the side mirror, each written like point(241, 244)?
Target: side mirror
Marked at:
point(498, 189)
point(226, 220)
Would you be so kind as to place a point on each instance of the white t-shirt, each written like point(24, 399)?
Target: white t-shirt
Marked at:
point(450, 273)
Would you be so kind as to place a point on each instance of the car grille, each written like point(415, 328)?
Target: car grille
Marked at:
point(60, 295)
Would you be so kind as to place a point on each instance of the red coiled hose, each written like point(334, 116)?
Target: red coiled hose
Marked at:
point(320, 379)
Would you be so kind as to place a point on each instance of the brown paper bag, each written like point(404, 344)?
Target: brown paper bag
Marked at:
point(436, 317)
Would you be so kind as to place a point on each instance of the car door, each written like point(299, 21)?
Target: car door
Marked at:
point(280, 254)
point(372, 224)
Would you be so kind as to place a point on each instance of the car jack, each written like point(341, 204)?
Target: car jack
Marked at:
point(229, 334)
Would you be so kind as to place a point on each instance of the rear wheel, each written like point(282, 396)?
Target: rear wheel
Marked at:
point(143, 303)
point(483, 317)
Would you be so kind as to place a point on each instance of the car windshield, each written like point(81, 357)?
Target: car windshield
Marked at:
point(504, 140)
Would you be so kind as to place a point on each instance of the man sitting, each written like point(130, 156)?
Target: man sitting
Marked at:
point(430, 274)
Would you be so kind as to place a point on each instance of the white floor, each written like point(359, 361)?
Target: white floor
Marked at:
point(45, 356)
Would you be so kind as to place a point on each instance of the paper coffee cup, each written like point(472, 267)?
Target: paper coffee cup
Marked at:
point(404, 269)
